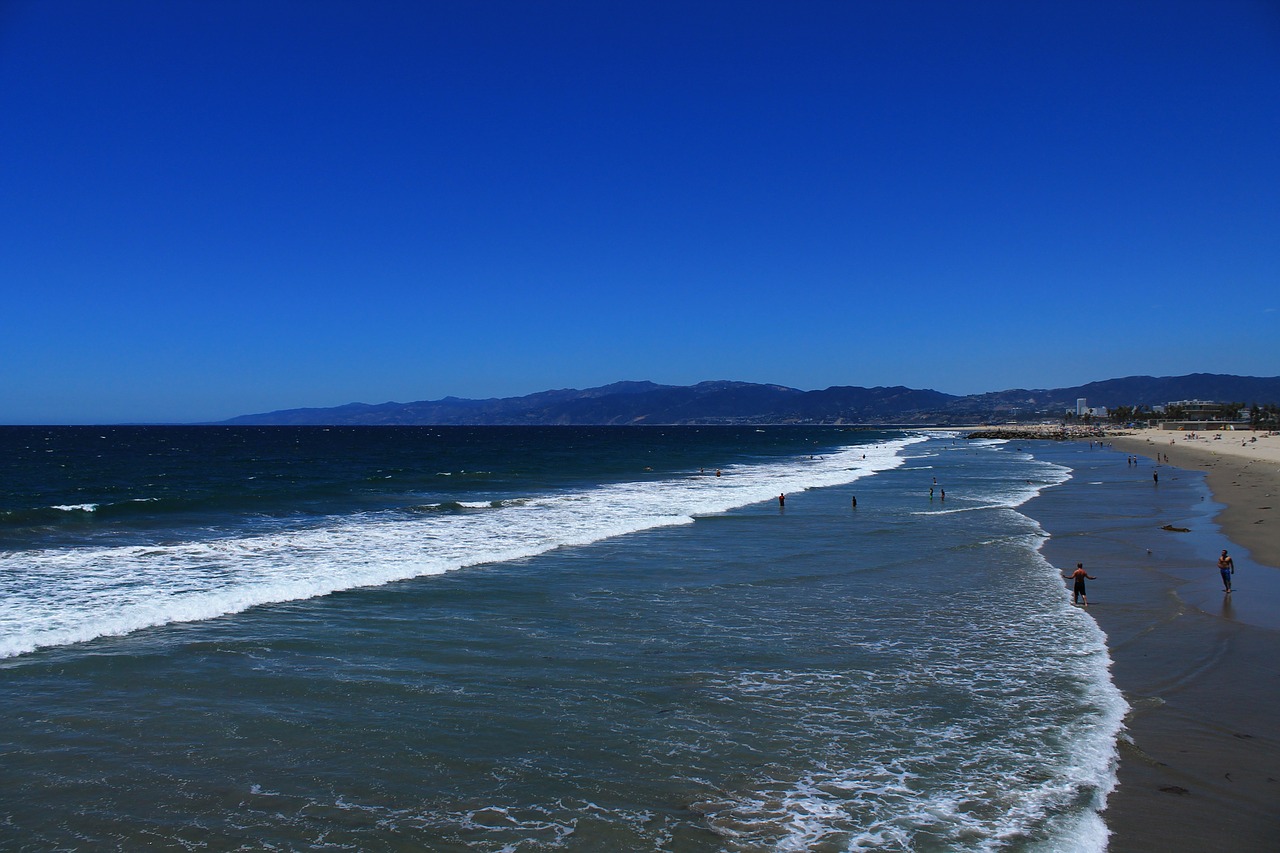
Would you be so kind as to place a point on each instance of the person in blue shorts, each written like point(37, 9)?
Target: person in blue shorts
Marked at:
point(1227, 567)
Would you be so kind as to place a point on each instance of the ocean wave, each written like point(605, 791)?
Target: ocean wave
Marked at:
point(76, 507)
point(61, 596)
point(1023, 764)
point(1013, 761)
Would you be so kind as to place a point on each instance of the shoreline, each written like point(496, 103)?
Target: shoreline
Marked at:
point(1199, 762)
point(1244, 477)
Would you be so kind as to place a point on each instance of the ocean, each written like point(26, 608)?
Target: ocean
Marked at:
point(541, 638)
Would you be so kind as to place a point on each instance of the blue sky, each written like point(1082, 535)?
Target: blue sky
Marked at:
point(222, 207)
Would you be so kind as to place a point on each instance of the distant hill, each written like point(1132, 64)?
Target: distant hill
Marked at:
point(1129, 391)
point(725, 402)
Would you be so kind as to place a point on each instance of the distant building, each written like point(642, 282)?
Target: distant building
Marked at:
point(1201, 415)
point(1197, 410)
point(1082, 407)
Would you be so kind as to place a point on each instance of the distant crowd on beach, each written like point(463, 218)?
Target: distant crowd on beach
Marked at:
point(1217, 436)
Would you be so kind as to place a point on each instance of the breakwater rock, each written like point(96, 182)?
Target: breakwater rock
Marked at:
point(1051, 432)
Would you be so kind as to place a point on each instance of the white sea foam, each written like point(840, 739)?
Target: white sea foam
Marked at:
point(75, 507)
point(1017, 777)
point(61, 596)
point(982, 792)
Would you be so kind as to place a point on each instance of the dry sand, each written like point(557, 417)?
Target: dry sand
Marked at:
point(1202, 673)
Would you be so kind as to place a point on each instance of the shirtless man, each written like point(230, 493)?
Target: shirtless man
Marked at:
point(1227, 567)
point(1077, 592)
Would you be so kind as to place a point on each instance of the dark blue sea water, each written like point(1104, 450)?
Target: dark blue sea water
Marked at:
point(516, 639)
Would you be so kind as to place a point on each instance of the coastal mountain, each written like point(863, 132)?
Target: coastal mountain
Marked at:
point(725, 402)
point(635, 403)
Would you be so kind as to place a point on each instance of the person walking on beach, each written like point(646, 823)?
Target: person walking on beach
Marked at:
point(1077, 591)
point(1227, 567)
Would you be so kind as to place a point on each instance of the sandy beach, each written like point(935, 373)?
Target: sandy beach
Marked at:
point(1201, 669)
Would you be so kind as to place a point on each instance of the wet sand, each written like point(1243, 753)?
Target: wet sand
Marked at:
point(1201, 669)
point(1243, 474)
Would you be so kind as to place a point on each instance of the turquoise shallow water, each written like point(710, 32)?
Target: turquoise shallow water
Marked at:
point(592, 642)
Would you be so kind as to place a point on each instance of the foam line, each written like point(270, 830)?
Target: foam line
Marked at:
point(62, 596)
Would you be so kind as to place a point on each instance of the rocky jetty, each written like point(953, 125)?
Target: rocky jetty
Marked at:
point(1051, 432)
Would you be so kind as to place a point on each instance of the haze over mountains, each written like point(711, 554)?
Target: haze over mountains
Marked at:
point(725, 402)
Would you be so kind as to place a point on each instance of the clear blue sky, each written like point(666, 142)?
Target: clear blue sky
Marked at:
point(230, 206)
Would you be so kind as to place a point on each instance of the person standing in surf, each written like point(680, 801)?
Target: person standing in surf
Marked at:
point(1077, 591)
point(1227, 567)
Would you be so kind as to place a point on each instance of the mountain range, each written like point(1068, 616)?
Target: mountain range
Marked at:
point(726, 402)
